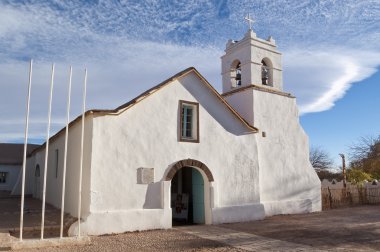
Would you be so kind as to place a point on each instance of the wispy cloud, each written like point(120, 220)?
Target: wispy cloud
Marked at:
point(129, 46)
point(320, 77)
point(113, 80)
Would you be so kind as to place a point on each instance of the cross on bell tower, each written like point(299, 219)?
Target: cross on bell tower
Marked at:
point(250, 21)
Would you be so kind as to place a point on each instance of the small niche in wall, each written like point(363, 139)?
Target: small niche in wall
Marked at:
point(263, 134)
point(145, 175)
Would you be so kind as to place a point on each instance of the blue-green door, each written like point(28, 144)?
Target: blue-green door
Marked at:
point(198, 197)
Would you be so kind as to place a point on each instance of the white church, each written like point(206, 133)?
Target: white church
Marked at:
point(181, 153)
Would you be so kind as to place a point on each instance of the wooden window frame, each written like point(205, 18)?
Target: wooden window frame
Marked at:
point(180, 137)
point(5, 177)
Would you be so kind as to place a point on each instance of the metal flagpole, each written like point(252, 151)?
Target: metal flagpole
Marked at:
point(47, 152)
point(25, 149)
point(65, 155)
point(81, 150)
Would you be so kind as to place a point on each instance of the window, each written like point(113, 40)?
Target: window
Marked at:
point(235, 74)
point(56, 163)
point(37, 171)
point(266, 72)
point(189, 124)
point(238, 75)
point(3, 177)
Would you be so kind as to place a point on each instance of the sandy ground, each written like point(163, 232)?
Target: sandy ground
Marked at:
point(10, 216)
point(156, 240)
point(348, 229)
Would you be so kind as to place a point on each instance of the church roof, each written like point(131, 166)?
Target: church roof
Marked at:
point(12, 154)
point(167, 82)
point(152, 90)
point(259, 88)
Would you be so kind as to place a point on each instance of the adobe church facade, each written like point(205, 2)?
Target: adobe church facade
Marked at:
point(183, 153)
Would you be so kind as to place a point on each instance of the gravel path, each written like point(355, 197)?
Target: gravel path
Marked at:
point(157, 240)
point(348, 229)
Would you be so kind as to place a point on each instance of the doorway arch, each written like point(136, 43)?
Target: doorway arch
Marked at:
point(190, 191)
point(189, 163)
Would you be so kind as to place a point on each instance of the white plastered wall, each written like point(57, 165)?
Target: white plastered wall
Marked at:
point(288, 183)
point(264, 50)
point(146, 135)
point(29, 178)
point(11, 178)
point(250, 51)
point(53, 183)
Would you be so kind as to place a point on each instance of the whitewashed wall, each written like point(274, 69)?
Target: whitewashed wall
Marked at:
point(250, 51)
point(146, 135)
point(286, 175)
point(53, 183)
point(288, 183)
point(12, 175)
point(29, 178)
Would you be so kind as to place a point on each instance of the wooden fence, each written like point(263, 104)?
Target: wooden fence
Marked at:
point(335, 195)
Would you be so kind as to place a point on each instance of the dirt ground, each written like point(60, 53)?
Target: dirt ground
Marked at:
point(348, 229)
point(10, 217)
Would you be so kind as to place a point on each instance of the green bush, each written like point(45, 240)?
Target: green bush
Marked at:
point(357, 176)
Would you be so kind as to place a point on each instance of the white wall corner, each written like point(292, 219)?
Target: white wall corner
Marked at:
point(165, 194)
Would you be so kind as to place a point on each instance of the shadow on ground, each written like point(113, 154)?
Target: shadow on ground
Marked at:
point(10, 217)
point(346, 228)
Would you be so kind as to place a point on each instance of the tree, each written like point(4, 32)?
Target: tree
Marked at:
point(365, 147)
point(365, 155)
point(320, 159)
point(329, 175)
point(322, 163)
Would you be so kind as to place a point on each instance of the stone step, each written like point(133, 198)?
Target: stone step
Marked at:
point(6, 241)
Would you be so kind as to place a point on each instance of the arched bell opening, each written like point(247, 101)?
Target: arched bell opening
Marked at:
point(236, 74)
point(266, 72)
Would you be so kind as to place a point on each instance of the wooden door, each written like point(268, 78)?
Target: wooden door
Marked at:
point(198, 197)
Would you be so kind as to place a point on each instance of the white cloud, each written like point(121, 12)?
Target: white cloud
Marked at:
point(321, 77)
point(318, 79)
point(117, 73)
point(124, 45)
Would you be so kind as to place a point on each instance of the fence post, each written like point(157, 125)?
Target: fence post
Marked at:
point(330, 197)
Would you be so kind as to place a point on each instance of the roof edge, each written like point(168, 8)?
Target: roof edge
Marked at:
point(248, 125)
point(259, 88)
point(145, 94)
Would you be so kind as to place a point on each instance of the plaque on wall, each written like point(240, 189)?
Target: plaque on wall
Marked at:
point(145, 175)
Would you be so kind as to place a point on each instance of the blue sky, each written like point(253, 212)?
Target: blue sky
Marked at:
point(355, 115)
point(331, 56)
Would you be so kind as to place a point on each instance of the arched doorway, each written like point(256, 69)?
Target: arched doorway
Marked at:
point(190, 192)
point(187, 197)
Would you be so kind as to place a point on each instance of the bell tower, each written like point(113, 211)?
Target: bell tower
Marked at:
point(252, 85)
point(252, 80)
point(251, 61)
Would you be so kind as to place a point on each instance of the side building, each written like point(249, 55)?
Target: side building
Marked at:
point(11, 158)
